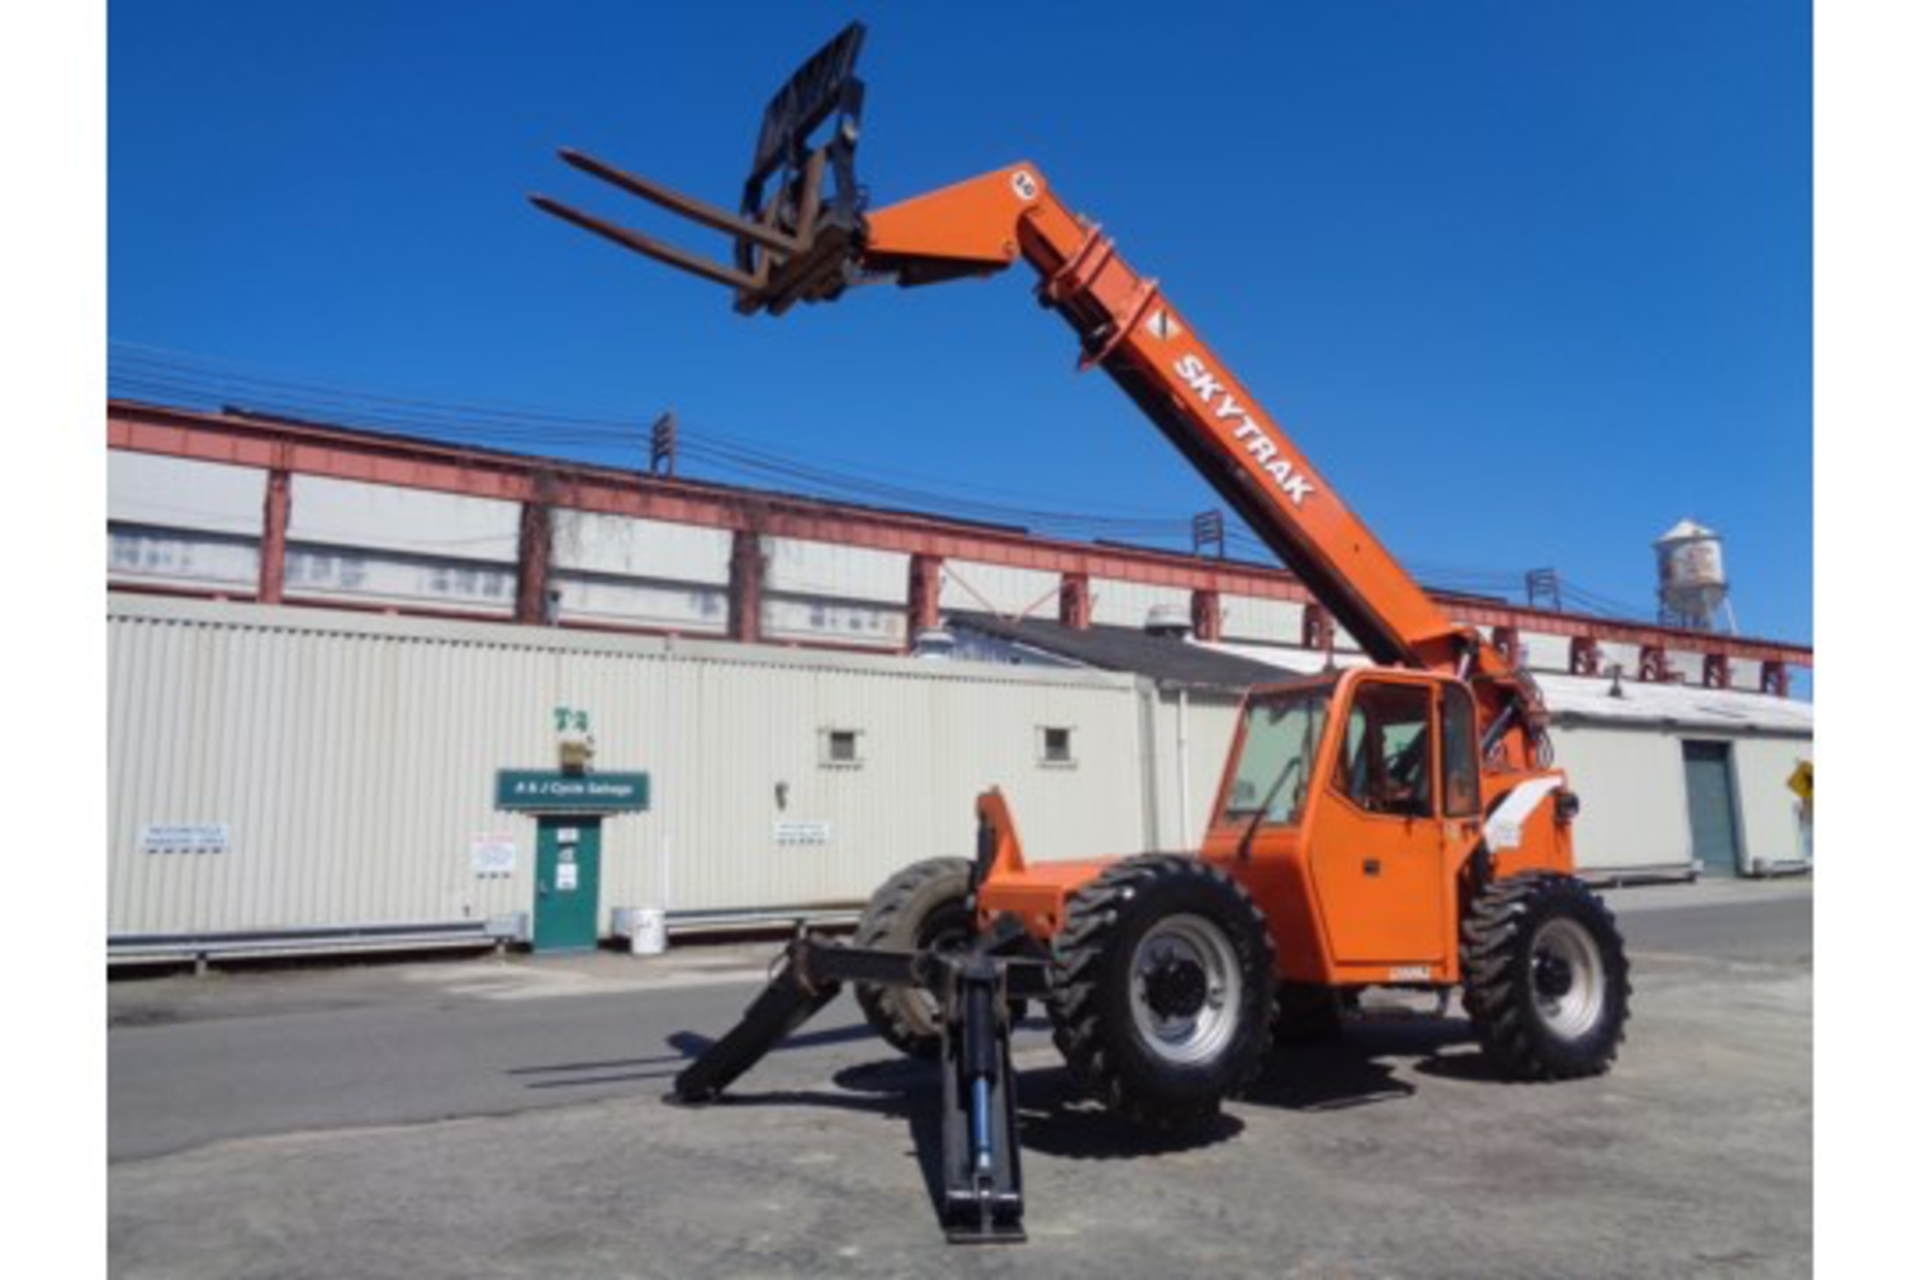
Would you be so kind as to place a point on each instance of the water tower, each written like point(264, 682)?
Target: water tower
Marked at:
point(1693, 578)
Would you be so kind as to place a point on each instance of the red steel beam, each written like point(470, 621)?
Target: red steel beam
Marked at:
point(536, 556)
point(373, 458)
point(1076, 601)
point(923, 594)
point(746, 573)
point(273, 536)
point(1316, 628)
point(1205, 614)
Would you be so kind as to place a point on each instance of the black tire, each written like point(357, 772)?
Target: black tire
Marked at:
point(1307, 1014)
point(1546, 977)
point(1127, 1050)
point(923, 906)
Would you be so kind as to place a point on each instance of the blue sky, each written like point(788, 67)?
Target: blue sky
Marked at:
point(1528, 282)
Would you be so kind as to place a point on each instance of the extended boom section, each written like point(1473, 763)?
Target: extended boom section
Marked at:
point(804, 235)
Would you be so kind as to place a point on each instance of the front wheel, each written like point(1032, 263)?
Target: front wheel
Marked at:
point(1546, 977)
point(1164, 983)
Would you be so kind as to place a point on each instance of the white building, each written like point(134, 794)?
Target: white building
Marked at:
point(330, 651)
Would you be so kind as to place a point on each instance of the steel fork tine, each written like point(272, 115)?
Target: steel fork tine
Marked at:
point(659, 250)
point(687, 206)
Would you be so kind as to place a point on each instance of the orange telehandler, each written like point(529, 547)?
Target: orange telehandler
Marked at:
point(1398, 824)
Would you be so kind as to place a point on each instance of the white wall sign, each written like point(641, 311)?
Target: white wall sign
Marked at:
point(493, 854)
point(801, 832)
point(186, 837)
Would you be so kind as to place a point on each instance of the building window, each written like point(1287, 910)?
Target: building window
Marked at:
point(840, 748)
point(1056, 746)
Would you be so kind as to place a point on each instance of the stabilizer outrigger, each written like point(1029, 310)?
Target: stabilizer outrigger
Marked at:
point(982, 1200)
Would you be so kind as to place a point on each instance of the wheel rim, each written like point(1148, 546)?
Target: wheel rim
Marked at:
point(945, 932)
point(1184, 989)
point(1568, 981)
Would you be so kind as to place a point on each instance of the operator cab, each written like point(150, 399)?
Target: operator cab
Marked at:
point(1345, 802)
point(1397, 739)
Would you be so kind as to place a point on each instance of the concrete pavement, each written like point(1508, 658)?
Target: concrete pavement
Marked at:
point(481, 1118)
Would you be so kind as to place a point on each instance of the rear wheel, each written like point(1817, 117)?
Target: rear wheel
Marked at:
point(1546, 977)
point(922, 908)
point(1163, 986)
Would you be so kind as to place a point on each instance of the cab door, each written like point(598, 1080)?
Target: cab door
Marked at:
point(1377, 844)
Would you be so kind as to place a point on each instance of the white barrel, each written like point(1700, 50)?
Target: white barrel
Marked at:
point(649, 931)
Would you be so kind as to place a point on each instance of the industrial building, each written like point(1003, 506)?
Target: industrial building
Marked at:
point(368, 691)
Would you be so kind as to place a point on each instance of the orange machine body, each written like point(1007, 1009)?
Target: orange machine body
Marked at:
point(1353, 894)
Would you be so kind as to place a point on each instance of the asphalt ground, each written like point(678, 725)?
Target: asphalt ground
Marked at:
point(507, 1118)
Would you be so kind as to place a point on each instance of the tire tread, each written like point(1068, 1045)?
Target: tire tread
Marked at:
point(1495, 939)
point(887, 1010)
point(1095, 914)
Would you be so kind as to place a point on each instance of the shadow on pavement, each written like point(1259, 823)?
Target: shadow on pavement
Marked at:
point(687, 1046)
point(896, 1088)
point(1473, 1066)
point(1054, 1118)
point(1356, 1069)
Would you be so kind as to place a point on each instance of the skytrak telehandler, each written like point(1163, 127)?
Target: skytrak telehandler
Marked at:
point(1398, 824)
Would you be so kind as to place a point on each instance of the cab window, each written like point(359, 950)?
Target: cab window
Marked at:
point(1385, 763)
point(1278, 742)
point(1460, 751)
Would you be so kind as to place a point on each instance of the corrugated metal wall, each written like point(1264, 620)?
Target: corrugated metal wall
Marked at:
point(1633, 797)
point(1208, 721)
point(1632, 788)
point(352, 758)
point(1633, 800)
point(1128, 604)
point(183, 523)
point(971, 586)
point(177, 522)
point(1262, 621)
point(618, 571)
point(1770, 817)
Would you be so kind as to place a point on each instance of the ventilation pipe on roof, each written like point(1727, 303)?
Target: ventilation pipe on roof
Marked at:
point(1169, 621)
point(934, 643)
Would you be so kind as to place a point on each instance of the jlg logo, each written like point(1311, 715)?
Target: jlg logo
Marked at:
point(1258, 445)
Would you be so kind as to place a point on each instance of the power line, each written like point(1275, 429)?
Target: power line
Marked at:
point(145, 370)
point(141, 373)
point(164, 375)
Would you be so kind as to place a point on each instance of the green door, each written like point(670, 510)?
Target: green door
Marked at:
point(566, 887)
point(1716, 833)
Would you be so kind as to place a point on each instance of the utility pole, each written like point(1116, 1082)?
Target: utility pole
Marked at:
point(666, 445)
point(1543, 589)
point(1210, 529)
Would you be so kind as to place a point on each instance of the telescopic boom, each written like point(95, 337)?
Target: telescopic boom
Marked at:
point(803, 235)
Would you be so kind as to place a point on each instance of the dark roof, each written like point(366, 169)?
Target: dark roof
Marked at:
point(1161, 658)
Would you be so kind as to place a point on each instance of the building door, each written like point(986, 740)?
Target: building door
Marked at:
point(566, 906)
point(1716, 830)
